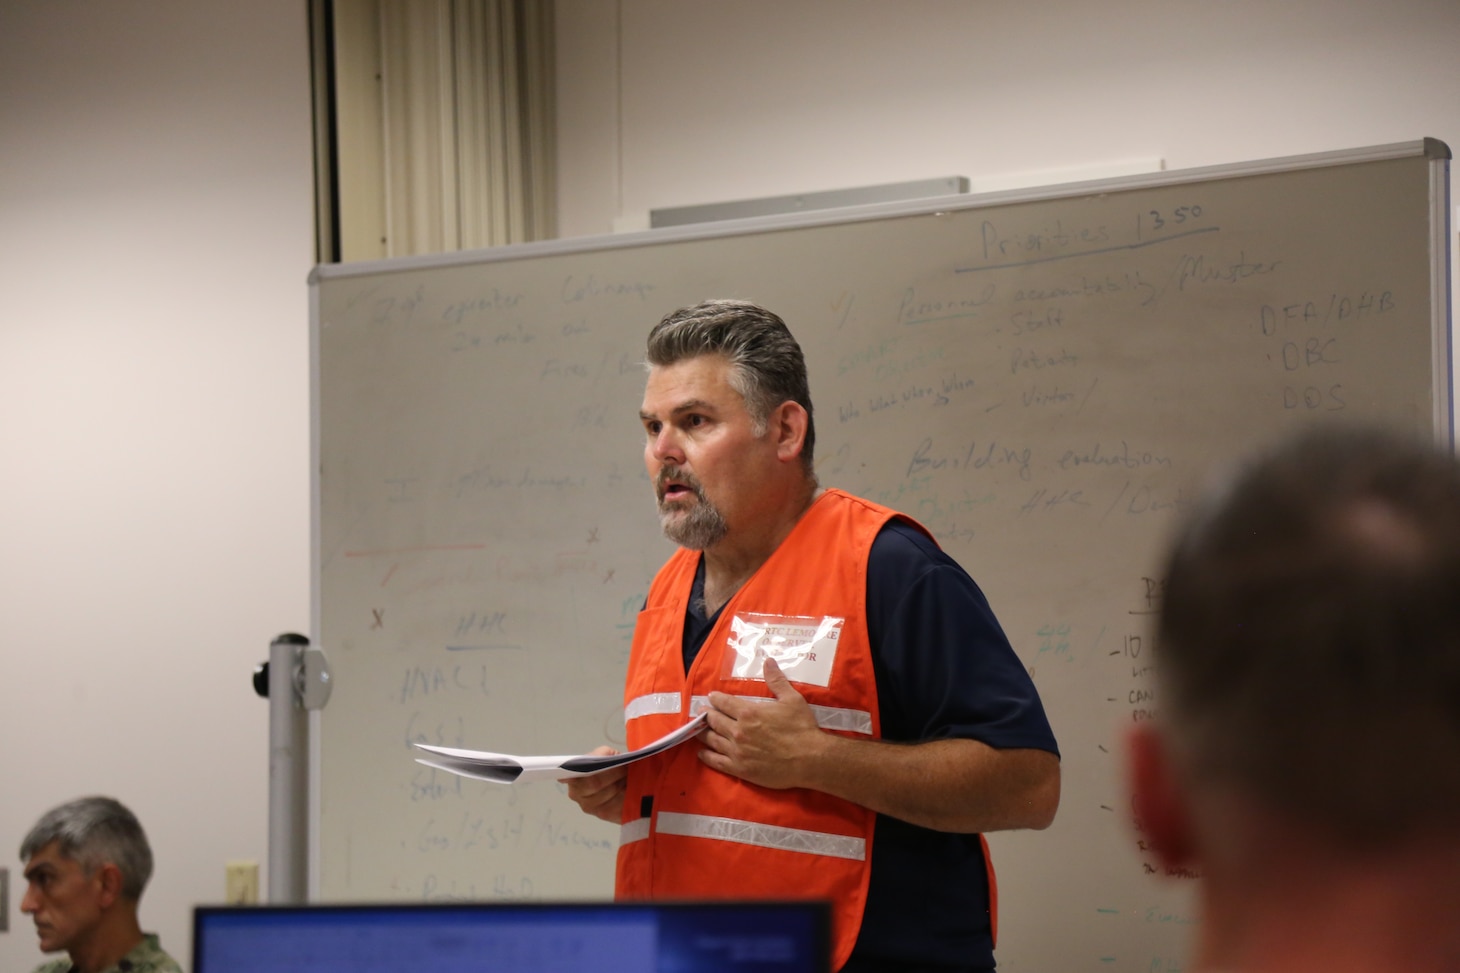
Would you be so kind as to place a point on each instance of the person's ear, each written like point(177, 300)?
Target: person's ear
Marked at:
point(788, 424)
point(1162, 815)
point(109, 884)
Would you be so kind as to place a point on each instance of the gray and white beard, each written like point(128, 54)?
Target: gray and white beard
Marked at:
point(702, 527)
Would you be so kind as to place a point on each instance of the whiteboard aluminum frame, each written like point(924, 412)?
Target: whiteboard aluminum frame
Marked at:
point(1434, 149)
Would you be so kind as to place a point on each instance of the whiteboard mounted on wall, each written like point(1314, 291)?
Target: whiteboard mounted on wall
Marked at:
point(1042, 377)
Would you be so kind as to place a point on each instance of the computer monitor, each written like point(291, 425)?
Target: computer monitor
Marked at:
point(517, 937)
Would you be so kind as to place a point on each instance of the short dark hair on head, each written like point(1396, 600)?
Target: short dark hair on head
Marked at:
point(95, 831)
point(1309, 637)
point(767, 367)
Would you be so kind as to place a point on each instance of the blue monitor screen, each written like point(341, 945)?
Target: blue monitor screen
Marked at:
point(537, 937)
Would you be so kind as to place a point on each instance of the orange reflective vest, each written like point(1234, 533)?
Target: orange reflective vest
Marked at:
point(692, 832)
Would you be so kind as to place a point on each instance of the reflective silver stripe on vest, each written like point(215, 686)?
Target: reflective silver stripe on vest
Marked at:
point(652, 705)
point(633, 831)
point(833, 718)
point(762, 835)
point(827, 717)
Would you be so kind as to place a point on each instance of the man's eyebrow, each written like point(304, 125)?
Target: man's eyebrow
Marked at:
point(693, 405)
point(37, 869)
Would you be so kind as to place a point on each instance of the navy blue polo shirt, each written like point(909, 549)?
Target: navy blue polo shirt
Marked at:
point(944, 668)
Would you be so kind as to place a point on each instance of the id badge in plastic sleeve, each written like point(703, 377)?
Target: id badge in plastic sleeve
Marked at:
point(804, 647)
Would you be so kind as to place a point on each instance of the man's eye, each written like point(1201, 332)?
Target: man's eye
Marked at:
point(697, 420)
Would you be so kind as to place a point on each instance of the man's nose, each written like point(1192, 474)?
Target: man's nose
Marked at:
point(30, 902)
point(666, 447)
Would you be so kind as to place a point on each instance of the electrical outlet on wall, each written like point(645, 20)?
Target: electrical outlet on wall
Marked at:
point(241, 883)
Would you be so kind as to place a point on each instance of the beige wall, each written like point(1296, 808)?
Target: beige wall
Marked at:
point(677, 102)
point(155, 239)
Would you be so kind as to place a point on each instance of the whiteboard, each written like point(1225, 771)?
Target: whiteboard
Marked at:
point(1041, 378)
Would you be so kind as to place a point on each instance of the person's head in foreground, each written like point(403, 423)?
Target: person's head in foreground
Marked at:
point(1306, 759)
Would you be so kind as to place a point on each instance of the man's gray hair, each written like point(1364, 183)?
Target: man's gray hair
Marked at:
point(767, 367)
point(1308, 645)
point(95, 831)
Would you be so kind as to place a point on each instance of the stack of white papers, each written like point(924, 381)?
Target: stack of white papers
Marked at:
point(504, 768)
